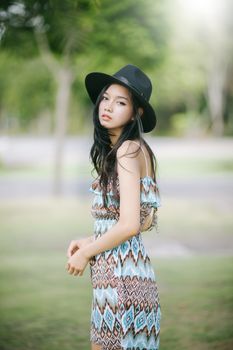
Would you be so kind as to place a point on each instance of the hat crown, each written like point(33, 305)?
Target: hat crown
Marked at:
point(136, 79)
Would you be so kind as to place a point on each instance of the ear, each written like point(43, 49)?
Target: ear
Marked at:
point(140, 111)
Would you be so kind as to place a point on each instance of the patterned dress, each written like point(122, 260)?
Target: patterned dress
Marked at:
point(126, 310)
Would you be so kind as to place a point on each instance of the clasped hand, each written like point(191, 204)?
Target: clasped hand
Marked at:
point(77, 260)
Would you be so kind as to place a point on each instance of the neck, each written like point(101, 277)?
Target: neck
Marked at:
point(114, 138)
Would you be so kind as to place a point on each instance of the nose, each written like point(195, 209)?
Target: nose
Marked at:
point(108, 108)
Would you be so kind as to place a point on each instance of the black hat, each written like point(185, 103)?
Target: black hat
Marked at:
point(131, 77)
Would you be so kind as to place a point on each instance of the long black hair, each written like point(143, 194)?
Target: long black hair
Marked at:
point(103, 156)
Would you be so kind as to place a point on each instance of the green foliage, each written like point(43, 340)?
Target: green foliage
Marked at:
point(103, 35)
point(87, 35)
point(128, 30)
point(189, 124)
point(28, 88)
point(65, 24)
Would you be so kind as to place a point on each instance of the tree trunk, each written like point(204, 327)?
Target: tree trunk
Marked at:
point(64, 81)
point(216, 99)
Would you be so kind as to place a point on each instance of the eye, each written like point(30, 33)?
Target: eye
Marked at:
point(104, 98)
point(121, 103)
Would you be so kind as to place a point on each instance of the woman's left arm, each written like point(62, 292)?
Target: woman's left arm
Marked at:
point(129, 220)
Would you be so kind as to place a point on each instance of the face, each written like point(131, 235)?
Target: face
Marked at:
point(115, 108)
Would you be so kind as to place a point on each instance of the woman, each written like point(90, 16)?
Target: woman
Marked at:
point(126, 310)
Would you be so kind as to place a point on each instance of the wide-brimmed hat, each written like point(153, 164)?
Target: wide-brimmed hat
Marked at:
point(135, 80)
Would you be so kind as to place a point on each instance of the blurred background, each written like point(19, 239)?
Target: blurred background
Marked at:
point(46, 132)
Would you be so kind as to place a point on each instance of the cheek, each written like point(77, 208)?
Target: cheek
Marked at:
point(129, 114)
point(101, 108)
point(124, 118)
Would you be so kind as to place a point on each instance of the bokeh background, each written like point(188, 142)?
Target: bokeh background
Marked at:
point(46, 131)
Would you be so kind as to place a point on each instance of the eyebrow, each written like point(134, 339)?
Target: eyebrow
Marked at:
point(118, 96)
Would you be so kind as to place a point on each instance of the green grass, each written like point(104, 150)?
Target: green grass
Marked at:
point(197, 303)
point(42, 307)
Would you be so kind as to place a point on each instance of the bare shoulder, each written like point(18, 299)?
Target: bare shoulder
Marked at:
point(127, 149)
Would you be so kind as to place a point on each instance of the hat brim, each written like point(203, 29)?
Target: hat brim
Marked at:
point(96, 81)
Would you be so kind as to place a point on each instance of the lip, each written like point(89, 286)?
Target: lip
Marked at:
point(106, 117)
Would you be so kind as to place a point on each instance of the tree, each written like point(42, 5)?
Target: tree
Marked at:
point(201, 50)
point(41, 27)
point(75, 36)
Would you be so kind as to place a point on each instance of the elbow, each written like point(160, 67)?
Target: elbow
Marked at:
point(130, 229)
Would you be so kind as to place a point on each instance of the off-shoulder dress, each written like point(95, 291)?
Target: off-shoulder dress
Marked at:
point(126, 310)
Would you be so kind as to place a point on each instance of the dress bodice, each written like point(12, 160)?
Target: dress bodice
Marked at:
point(149, 199)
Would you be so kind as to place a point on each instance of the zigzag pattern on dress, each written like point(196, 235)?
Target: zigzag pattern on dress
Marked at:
point(134, 325)
point(126, 310)
point(149, 198)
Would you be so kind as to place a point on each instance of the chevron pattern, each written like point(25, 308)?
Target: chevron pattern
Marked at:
point(126, 309)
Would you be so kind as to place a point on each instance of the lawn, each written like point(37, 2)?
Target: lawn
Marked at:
point(44, 308)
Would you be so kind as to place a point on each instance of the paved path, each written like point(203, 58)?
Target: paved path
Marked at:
point(37, 152)
point(221, 187)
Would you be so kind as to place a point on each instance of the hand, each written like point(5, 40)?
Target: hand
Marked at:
point(77, 244)
point(77, 263)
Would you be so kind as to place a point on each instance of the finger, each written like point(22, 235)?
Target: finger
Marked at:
point(71, 270)
point(72, 250)
point(69, 251)
point(76, 272)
